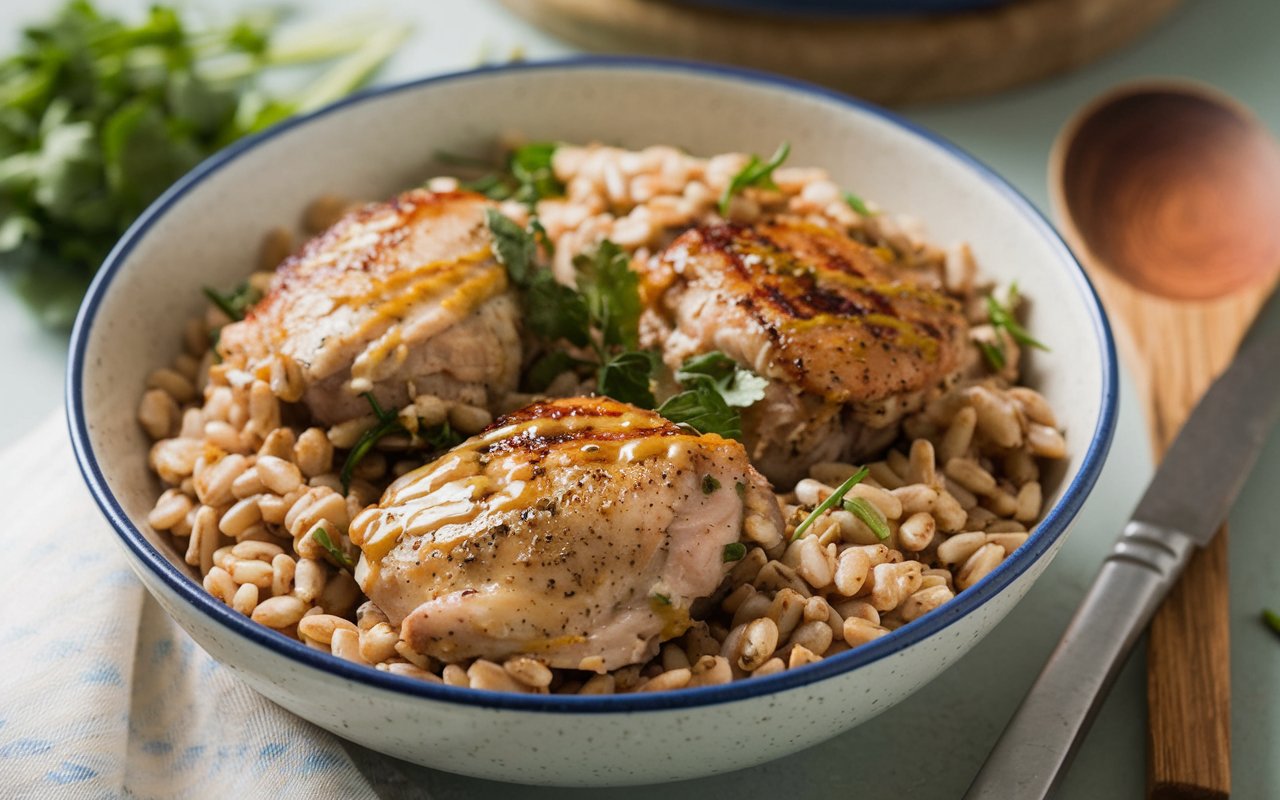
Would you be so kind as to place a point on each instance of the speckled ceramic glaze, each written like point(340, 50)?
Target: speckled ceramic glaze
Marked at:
point(205, 231)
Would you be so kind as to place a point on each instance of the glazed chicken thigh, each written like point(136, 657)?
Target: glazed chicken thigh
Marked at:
point(398, 299)
point(579, 531)
point(849, 341)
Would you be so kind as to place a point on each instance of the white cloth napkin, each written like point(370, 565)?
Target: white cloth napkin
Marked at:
point(102, 695)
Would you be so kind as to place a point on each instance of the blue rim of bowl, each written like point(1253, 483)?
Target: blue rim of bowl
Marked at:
point(1050, 529)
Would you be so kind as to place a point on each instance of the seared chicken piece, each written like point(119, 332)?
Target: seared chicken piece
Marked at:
point(578, 531)
point(397, 298)
point(849, 342)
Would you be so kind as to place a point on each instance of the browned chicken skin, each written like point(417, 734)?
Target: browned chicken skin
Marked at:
point(397, 298)
point(849, 341)
point(579, 531)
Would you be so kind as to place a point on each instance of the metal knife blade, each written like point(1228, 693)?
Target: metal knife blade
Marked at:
point(1206, 466)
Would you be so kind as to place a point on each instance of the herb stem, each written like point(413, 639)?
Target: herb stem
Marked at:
point(832, 499)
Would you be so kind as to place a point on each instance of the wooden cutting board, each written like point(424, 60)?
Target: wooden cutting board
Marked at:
point(892, 60)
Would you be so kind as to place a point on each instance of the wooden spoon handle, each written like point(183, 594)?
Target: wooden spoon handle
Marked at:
point(1177, 349)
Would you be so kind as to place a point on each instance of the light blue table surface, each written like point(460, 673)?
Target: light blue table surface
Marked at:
point(931, 744)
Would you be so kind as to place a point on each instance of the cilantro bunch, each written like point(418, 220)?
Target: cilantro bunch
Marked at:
point(98, 116)
point(601, 318)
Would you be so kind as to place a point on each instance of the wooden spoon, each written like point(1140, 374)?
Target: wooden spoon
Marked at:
point(1170, 194)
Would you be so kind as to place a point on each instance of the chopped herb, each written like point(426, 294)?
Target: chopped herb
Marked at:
point(442, 436)
point(235, 303)
point(531, 167)
point(526, 176)
point(835, 497)
point(513, 246)
point(1272, 620)
point(388, 424)
point(738, 385)
point(755, 173)
point(704, 410)
point(741, 489)
point(709, 484)
point(612, 292)
point(336, 554)
point(734, 551)
point(1004, 317)
point(547, 368)
point(626, 378)
point(993, 354)
point(555, 311)
point(662, 599)
point(870, 515)
point(857, 204)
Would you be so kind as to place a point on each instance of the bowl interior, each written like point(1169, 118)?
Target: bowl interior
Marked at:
point(207, 230)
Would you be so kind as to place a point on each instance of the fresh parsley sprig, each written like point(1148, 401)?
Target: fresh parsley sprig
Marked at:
point(830, 502)
point(713, 388)
point(602, 316)
point(755, 173)
point(525, 175)
point(1003, 317)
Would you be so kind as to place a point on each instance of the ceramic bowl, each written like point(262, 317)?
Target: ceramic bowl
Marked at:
point(206, 230)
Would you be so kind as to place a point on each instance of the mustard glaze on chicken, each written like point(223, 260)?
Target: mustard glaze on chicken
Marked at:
point(397, 298)
point(578, 530)
point(849, 341)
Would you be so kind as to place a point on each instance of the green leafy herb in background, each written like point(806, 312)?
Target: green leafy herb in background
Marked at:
point(235, 303)
point(99, 116)
point(755, 173)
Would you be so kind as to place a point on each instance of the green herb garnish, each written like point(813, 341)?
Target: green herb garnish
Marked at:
point(740, 387)
point(441, 437)
point(741, 489)
point(662, 599)
point(1003, 317)
point(526, 174)
point(861, 508)
point(336, 554)
point(388, 424)
point(627, 377)
point(857, 204)
point(98, 116)
point(1272, 620)
point(547, 368)
point(704, 410)
point(755, 173)
point(734, 551)
point(237, 302)
point(709, 484)
point(835, 497)
point(612, 293)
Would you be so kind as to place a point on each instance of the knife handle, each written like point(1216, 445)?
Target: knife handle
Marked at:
point(1033, 752)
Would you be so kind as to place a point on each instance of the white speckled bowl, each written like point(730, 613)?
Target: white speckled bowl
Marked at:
point(206, 229)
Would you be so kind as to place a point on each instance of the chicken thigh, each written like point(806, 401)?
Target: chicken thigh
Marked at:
point(578, 531)
point(849, 342)
point(398, 299)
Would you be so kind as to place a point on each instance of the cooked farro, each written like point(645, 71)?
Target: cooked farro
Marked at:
point(254, 498)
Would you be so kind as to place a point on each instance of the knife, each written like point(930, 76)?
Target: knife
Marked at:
point(1186, 502)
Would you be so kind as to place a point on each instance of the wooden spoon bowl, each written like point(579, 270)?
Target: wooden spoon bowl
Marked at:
point(1175, 188)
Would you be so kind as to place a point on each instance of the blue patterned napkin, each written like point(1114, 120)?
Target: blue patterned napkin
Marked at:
point(101, 694)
